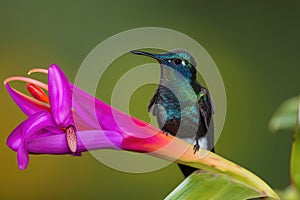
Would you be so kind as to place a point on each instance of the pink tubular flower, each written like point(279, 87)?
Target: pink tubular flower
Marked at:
point(51, 129)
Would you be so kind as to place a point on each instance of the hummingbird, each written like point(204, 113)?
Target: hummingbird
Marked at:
point(182, 106)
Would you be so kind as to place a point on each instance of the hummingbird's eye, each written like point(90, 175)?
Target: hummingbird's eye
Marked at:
point(177, 61)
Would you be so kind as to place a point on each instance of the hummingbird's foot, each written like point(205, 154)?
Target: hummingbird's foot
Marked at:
point(165, 131)
point(196, 147)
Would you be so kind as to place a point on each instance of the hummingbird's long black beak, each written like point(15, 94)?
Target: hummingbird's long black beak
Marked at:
point(152, 55)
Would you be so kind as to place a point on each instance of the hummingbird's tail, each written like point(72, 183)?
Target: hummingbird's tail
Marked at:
point(187, 170)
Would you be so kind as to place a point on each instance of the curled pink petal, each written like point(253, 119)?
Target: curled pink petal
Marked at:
point(28, 105)
point(35, 123)
point(15, 138)
point(22, 156)
point(60, 96)
point(29, 127)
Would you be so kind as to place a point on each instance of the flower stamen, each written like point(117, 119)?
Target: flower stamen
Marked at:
point(39, 70)
point(27, 80)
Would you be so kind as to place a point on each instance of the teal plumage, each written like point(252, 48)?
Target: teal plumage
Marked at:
point(183, 106)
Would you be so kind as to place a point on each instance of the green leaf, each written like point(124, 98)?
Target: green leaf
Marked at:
point(217, 165)
point(204, 185)
point(285, 116)
point(295, 157)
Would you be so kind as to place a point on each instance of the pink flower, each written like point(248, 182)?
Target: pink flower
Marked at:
point(64, 122)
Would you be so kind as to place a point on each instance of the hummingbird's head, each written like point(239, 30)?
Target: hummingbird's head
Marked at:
point(179, 60)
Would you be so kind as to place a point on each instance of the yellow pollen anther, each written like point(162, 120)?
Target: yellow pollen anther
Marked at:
point(71, 138)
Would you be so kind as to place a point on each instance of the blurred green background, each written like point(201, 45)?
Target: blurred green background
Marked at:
point(255, 44)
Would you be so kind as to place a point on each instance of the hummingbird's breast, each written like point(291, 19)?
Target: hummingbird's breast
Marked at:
point(178, 110)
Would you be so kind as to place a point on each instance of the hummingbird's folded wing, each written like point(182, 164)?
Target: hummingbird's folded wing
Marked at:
point(206, 110)
point(153, 101)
